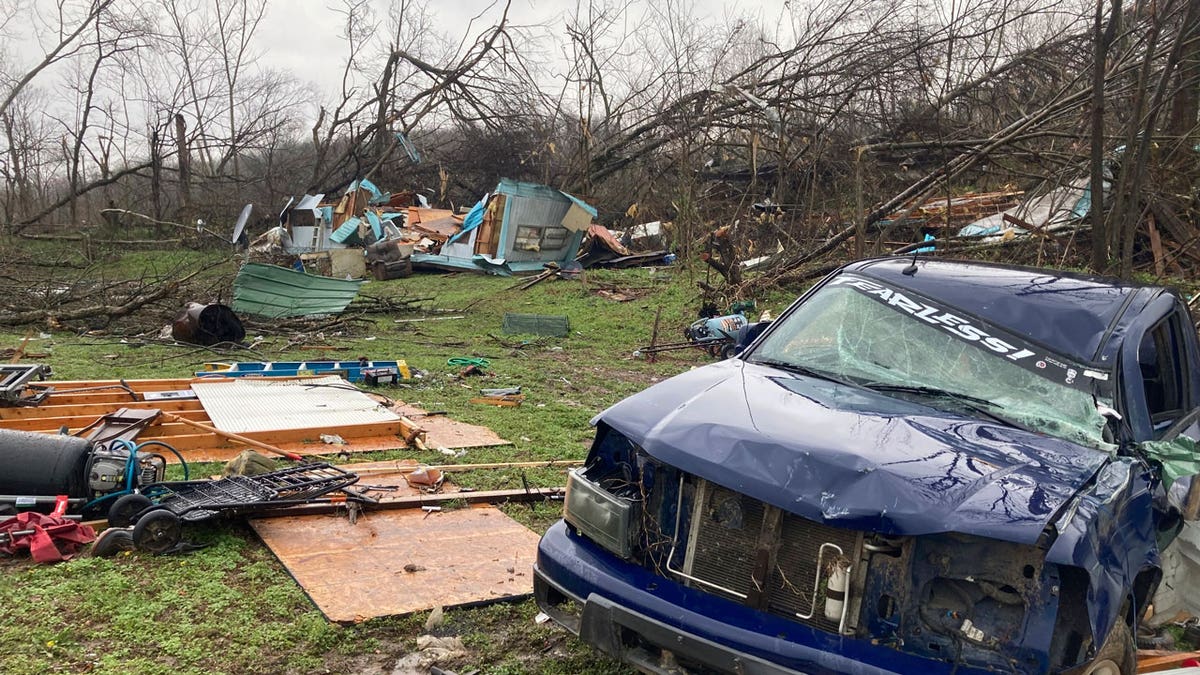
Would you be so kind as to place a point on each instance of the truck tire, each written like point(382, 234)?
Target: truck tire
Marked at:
point(1116, 656)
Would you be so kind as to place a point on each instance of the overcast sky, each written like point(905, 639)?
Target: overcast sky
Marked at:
point(318, 53)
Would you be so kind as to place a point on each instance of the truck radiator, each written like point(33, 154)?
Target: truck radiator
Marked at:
point(727, 531)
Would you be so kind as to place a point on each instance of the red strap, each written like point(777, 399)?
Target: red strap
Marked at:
point(60, 506)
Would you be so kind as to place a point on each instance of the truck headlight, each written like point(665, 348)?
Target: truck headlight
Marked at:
point(600, 515)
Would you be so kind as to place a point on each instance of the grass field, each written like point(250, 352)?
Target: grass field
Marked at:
point(231, 607)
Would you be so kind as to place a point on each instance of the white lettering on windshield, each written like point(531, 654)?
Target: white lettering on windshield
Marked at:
point(951, 323)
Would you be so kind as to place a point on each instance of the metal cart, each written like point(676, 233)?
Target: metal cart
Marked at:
point(159, 511)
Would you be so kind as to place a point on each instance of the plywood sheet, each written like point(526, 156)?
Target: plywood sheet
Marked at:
point(250, 405)
point(443, 432)
point(357, 572)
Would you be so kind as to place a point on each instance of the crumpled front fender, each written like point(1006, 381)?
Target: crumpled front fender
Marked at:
point(1108, 532)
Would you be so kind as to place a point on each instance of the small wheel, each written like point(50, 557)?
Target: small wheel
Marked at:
point(112, 541)
point(729, 351)
point(125, 510)
point(157, 531)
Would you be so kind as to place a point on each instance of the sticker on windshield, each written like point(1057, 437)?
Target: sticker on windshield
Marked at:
point(1050, 366)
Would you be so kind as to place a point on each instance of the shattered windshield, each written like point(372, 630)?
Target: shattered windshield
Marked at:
point(859, 331)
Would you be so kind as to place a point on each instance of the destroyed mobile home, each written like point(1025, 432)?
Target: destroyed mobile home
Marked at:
point(921, 466)
point(518, 228)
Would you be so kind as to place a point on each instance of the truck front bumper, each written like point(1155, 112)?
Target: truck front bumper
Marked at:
point(656, 624)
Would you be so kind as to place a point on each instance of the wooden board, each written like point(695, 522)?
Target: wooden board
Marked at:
point(76, 404)
point(357, 572)
point(1158, 661)
point(443, 432)
point(75, 410)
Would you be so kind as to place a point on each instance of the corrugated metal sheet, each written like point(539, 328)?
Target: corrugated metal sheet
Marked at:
point(275, 292)
point(243, 406)
point(346, 230)
point(538, 212)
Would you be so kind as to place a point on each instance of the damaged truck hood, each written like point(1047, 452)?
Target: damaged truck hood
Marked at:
point(854, 458)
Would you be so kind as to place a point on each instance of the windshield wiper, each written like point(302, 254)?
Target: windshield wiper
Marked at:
point(973, 404)
point(806, 371)
point(933, 392)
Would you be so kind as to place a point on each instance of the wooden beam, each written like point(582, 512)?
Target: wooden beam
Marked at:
point(383, 468)
point(417, 501)
point(1156, 660)
point(92, 410)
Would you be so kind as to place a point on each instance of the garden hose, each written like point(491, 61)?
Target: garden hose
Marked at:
point(467, 361)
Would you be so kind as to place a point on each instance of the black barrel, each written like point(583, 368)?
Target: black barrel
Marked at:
point(43, 464)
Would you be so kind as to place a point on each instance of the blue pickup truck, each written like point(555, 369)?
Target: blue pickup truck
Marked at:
point(921, 466)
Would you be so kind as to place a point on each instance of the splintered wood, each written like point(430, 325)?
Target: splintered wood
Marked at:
point(400, 562)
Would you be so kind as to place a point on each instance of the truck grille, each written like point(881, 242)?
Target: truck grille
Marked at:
point(727, 530)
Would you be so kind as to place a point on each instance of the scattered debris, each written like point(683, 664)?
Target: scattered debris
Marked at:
point(15, 379)
point(716, 334)
point(436, 616)
point(425, 477)
point(501, 401)
point(518, 228)
point(504, 391)
point(48, 538)
point(602, 249)
point(552, 269)
point(552, 325)
point(431, 651)
point(616, 296)
point(431, 318)
point(76, 404)
point(249, 463)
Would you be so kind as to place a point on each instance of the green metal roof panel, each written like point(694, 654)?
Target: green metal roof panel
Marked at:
point(276, 292)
